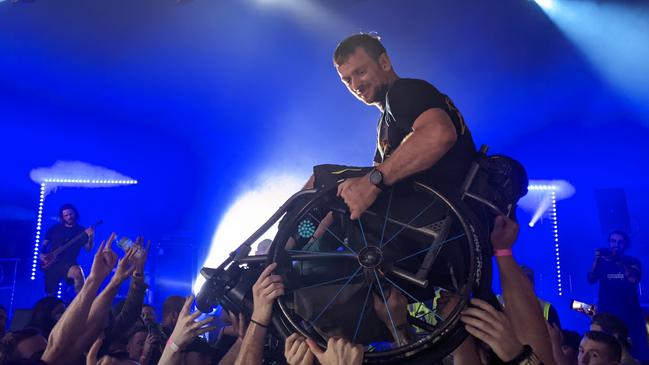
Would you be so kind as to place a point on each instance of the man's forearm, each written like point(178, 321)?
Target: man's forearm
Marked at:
point(252, 348)
point(422, 148)
point(523, 309)
point(97, 316)
point(71, 323)
point(231, 356)
point(593, 274)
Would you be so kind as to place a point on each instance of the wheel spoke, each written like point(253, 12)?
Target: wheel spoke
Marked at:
point(408, 294)
point(387, 215)
point(360, 224)
point(394, 328)
point(430, 248)
point(362, 315)
point(333, 234)
point(326, 282)
point(407, 224)
point(312, 323)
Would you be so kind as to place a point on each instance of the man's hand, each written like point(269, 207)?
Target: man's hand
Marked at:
point(485, 323)
point(267, 288)
point(90, 231)
point(358, 193)
point(504, 233)
point(141, 254)
point(339, 352)
point(187, 329)
point(125, 266)
point(297, 352)
point(238, 325)
point(104, 260)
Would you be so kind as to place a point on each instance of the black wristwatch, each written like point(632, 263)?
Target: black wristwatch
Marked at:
point(376, 178)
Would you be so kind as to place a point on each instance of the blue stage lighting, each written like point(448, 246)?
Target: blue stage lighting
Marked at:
point(546, 4)
point(41, 203)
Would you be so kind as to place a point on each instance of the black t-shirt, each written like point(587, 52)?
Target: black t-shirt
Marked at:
point(59, 235)
point(616, 294)
point(406, 100)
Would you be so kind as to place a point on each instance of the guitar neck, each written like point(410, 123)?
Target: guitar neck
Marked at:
point(74, 239)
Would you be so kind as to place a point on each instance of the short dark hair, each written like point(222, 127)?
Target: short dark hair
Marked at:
point(625, 236)
point(71, 207)
point(173, 303)
point(571, 339)
point(10, 341)
point(370, 42)
point(613, 325)
point(614, 347)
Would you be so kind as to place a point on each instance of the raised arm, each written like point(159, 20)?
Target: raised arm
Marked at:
point(267, 288)
point(433, 134)
point(100, 308)
point(522, 306)
point(73, 321)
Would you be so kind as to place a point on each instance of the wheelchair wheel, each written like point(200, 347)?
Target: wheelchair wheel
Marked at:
point(395, 280)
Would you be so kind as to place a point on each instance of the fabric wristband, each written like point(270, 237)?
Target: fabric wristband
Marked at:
point(258, 324)
point(173, 345)
point(503, 252)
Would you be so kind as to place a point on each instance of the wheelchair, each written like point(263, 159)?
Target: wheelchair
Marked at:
point(395, 280)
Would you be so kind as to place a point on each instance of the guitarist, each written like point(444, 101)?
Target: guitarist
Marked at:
point(65, 266)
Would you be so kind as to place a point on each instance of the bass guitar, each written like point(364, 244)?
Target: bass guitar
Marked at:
point(48, 259)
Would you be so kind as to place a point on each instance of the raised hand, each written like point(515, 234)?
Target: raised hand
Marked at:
point(125, 266)
point(485, 323)
point(187, 329)
point(297, 352)
point(504, 233)
point(267, 288)
point(141, 254)
point(105, 259)
point(339, 352)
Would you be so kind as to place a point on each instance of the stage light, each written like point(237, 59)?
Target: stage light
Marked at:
point(555, 224)
point(248, 212)
point(546, 4)
point(609, 35)
point(41, 203)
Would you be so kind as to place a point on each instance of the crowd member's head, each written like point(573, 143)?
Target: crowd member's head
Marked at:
point(198, 352)
point(171, 308)
point(599, 348)
point(570, 344)
point(25, 344)
point(364, 67)
point(618, 242)
point(135, 343)
point(3, 321)
point(116, 359)
point(612, 325)
point(68, 214)
point(46, 313)
point(148, 315)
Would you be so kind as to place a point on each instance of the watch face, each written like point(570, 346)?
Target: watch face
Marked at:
point(376, 177)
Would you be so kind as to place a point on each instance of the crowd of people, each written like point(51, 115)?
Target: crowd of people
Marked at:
point(93, 330)
point(421, 133)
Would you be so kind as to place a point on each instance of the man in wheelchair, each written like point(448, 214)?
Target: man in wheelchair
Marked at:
point(388, 256)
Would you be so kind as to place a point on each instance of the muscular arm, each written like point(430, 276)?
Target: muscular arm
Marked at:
point(433, 134)
point(523, 309)
point(71, 324)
